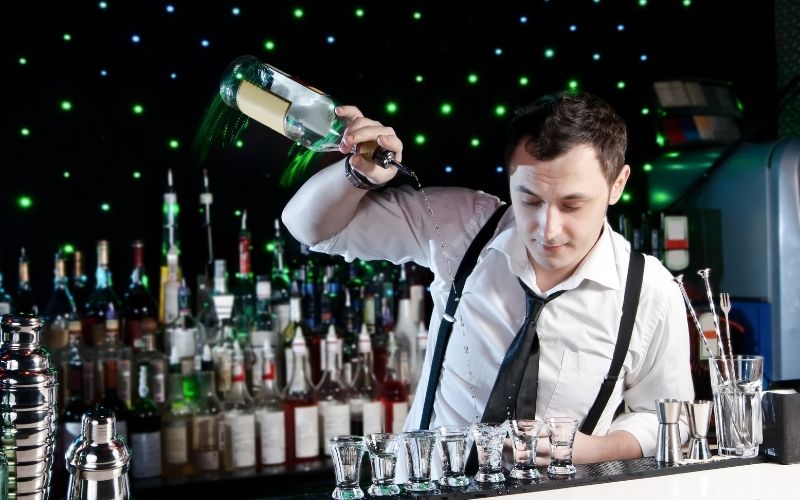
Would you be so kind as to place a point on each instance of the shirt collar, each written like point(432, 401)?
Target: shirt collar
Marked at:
point(599, 266)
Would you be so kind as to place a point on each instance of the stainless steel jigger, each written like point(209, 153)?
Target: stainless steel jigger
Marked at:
point(98, 460)
point(699, 415)
point(668, 446)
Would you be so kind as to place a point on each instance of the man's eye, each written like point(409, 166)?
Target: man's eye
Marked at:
point(534, 202)
point(571, 208)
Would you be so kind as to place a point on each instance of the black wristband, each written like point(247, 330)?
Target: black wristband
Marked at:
point(356, 178)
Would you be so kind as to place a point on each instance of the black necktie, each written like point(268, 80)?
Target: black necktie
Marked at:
point(514, 390)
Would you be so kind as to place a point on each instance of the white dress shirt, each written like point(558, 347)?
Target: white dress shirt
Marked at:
point(577, 331)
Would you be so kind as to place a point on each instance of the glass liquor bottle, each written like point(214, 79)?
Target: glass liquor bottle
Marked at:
point(284, 351)
point(208, 430)
point(102, 303)
point(156, 361)
point(75, 404)
point(366, 409)
point(64, 356)
point(112, 348)
point(79, 284)
point(137, 304)
point(145, 430)
point(240, 420)
point(300, 407)
point(26, 299)
point(170, 252)
point(244, 296)
point(111, 399)
point(281, 283)
point(270, 419)
point(186, 333)
point(394, 393)
point(405, 334)
point(421, 346)
point(6, 301)
point(60, 309)
point(263, 331)
point(334, 408)
point(176, 423)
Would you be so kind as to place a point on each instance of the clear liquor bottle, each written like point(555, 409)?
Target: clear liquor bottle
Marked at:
point(176, 424)
point(394, 393)
point(60, 309)
point(111, 399)
point(112, 348)
point(244, 292)
point(366, 409)
point(145, 430)
point(300, 407)
point(280, 281)
point(102, 303)
point(138, 303)
point(26, 299)
point(240, 423)
point(79, 283)
point(334, 408)
point(74, 405)
point(405, 334)
point(270, 419)
point(420, 350)
point(208, 430)
point(186, 333)
point(263, 331)
point(157, 364)
point(63, 358)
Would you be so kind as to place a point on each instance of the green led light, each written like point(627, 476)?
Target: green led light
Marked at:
point(645, 111)
point(626, 198)
point(269, 45)
point(298, 13)
point(68, 248)
point(24, 202)
point(419, 139)
point(418, 78)
point(25, 131)
point(67, 37)
point(572, 84)
point(446, 108)
point(660, 197)
point(740, 105)
point(523, 81)
point(642, 3)
point(472, 78)
point(474, 142)
point(596, 56)
point(549, 53)
point(174, 144)
point(647, 167)
point(105, 207)
point(673, 154)
point(137, 109)
point(270, 247)
point(66, 105)
point(661, 140)
point(687, 3)
point(137, 174)
point(237, 213)
point(500, 110)
point(391, 107)
point(620, 85)
point(67, 174)
point(359, 12)
point(176, 209)
point(23, 61)
point(417, 15)
point(239, 143)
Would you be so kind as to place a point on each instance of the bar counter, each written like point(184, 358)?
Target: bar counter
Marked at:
point(731, 479)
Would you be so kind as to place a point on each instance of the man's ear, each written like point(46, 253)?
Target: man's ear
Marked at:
point(618, 186)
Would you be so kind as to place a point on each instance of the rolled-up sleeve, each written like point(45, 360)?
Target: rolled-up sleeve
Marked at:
point(664, 372)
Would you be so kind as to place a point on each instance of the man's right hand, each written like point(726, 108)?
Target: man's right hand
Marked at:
point(362, 130)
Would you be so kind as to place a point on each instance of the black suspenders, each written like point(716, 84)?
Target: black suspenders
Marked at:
point(630, 305)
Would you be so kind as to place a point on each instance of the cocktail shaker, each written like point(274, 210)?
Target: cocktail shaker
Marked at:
point(668, 444)
point(28, 392)
point(98, 460)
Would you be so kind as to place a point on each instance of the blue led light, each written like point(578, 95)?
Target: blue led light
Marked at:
point(205, 43)
point(448, 169)
point(173, 75)
point(620, 27)
point(499, 169)
point(330, 39)
point(498, 51)
point(136, 39)
point(103, 72)
point(573, 28)
point(236, 11)
point(643, 57)
point(170, 8)
point(523, 19)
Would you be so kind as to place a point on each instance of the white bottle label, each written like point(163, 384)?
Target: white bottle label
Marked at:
point(243, 439)
point(273, 436)
point(176, 442)
point(335, 421)
point(373, 417)
point(146, 459)
point(282, 311)
point(399, 414)
point(306, 431)
point(159, 387)
point(184, 341)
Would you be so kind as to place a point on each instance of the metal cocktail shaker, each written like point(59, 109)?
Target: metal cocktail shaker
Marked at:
point(98, 460)
point(28, 391)
point(668, 444)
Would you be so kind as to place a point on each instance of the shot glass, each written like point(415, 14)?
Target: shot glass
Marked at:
point(561, 431)
point(454, 444)
point(346, 452)
point(382, 448)
point(524, 437)
point(419, 449)
point(489, 442)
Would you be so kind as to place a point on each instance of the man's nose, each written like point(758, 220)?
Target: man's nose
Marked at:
point(550, 223)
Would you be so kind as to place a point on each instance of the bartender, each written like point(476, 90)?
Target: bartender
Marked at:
point(538, 305)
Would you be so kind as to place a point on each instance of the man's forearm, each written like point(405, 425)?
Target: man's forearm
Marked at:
point(616, 445)
point(323, 206)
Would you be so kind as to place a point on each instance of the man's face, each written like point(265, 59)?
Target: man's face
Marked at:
point(560, 207)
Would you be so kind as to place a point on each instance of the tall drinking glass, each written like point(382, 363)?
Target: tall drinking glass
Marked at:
point(736, 385)
point(454, 445)
point(382, 448)
point(346, 452)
